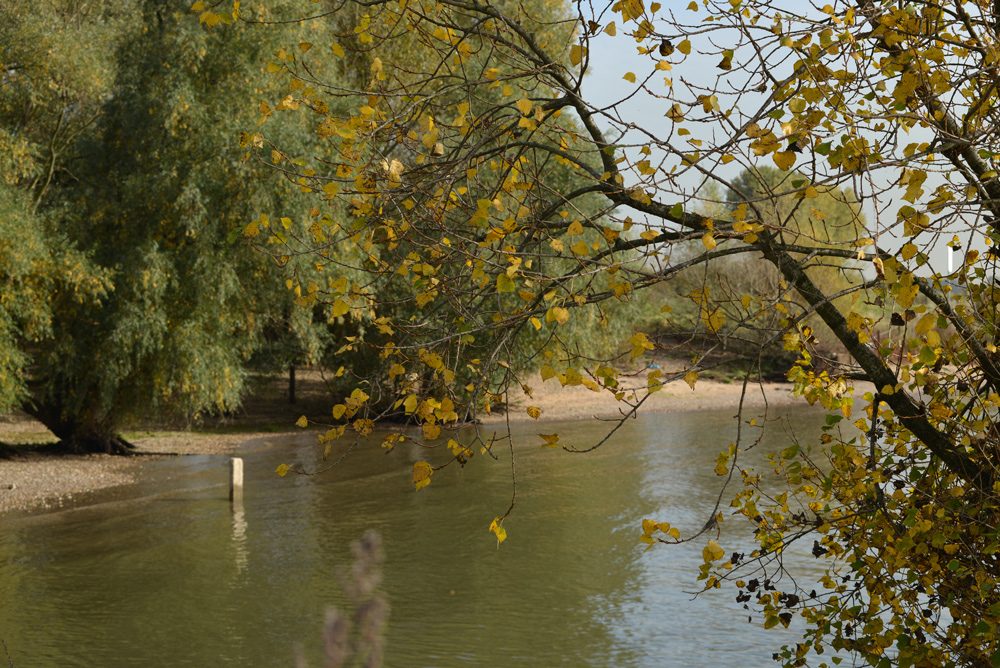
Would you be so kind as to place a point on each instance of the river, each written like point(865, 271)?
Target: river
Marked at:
point(165, 573)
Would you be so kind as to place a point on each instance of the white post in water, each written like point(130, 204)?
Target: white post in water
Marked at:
point(236, 479)
point(951, 259)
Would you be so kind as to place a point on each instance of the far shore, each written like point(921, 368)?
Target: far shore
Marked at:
point(577, 402)
point(33, 481)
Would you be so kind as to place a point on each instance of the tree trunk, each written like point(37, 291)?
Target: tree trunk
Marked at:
point(79, 435)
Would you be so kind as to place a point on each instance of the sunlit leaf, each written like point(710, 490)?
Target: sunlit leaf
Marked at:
point(712, 551)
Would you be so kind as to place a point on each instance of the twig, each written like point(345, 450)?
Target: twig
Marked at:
point(7, 652)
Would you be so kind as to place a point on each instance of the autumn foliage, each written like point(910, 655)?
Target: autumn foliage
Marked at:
point(497, 199)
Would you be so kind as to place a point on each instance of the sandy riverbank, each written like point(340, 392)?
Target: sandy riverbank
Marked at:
point(33, 480)
point(578, 402)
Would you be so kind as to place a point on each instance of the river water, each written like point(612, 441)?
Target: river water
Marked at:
point(165, 573)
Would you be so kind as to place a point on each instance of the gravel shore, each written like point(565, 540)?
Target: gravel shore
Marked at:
point(32, 480)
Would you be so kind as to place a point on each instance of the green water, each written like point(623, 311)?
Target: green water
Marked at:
point(166, 574)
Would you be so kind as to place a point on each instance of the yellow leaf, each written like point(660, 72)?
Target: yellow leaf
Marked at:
point(302, 422)
point(422, 474)
point(933, 339)
point(305, 46)
point(327, 128)
point(576, 54)
point(714, 319)
point(534, 412)
point(338, 411)
point(339, 308)
point(431, 431)
point(926, 323)
point(708, 240)
point(610, 29)
point(630, 77)
point(198, 6)
point(524, 105)
point(907, 251)
point(784, 160)
point(905, 290)
point(498, 530)
point(551, 440)
point(574, 228)
point(282, 470)
point(712, 551)
point(648, 526)
point(559, 314)
point(547, 372)
point(572, 377)
point(691, 377)
point(684, 47)
point(337, 49)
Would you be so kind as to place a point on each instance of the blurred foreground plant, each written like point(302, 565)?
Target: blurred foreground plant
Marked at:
point(357, 638)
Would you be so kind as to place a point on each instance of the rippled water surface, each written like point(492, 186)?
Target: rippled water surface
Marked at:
point(168, 574)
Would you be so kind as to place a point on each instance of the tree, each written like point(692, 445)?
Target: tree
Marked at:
point(57, 64)
point(444, 162)
point(121, 218)
point(839, 219)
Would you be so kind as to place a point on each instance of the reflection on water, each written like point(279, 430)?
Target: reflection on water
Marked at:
point(178, 576)
point(239, 532)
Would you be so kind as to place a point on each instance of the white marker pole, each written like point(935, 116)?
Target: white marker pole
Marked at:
point(951, 259)
point(235, 478)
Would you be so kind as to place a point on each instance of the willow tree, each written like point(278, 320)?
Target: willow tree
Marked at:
point(445, 163)
point(122, 294)
point(57, 67)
